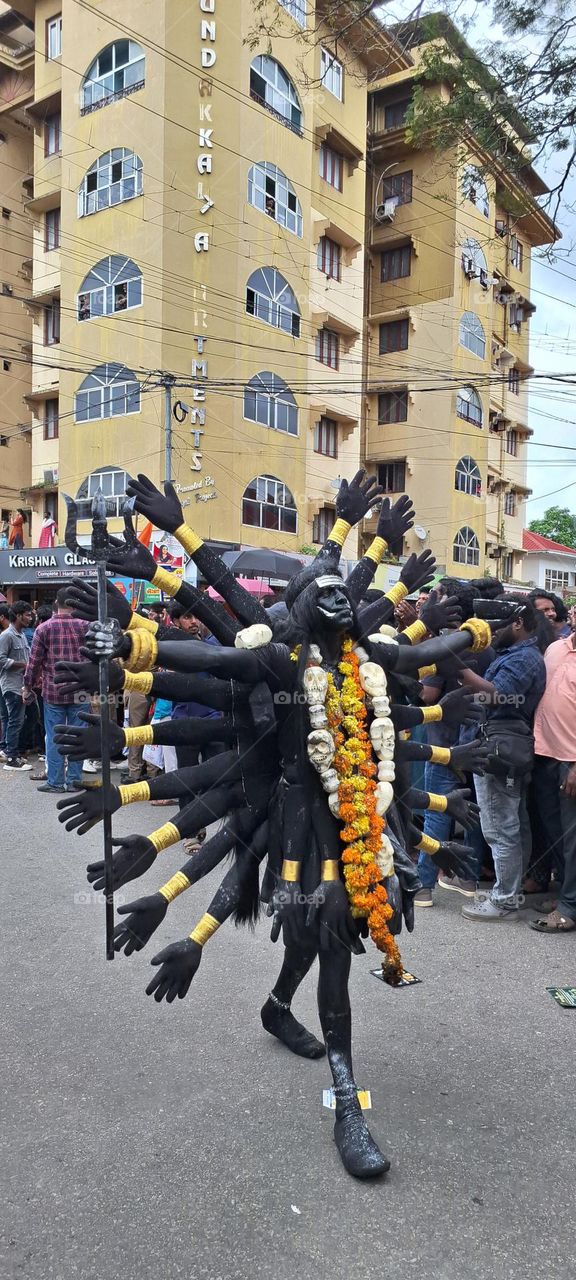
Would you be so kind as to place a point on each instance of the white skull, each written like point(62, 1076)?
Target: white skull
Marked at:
point(318, 717)
point(383, 738)
point(384, 796)
point(382, 638)
point(320, 746)
point(386, 771)
point(330, 780)
point(253, 637)
point(315, 685)
point(372, 679)
point(381, 705)
point(385, 858)
point(334, 804)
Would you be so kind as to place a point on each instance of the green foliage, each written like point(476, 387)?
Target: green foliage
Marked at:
point(557, 523)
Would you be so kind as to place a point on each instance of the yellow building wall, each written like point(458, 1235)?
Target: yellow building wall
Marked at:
point(15, 250)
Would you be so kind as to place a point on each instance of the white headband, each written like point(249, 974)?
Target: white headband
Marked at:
point(329, 580)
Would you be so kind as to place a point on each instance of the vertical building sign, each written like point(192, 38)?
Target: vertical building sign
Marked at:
point(204, 165)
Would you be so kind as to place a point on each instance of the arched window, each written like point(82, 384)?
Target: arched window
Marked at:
point(113, 178)
point(273, 89)
point(270, 298)
point(268, 504)
point(114, 284)
point(112, 483)
point(110, 391)
point(474, 189)
point(473, 259)
point(269, 401)
point(466, 548)
point(469, 405)
point(472, 335)
point(467, 478)
point(118, 70)
point(270, 191)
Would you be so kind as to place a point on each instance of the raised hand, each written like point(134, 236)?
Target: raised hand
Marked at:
point(355, 500)
point(330, 912)
point(453, 858)
point(81, 811)
point(418, 570)
point(106, 640)
point(135, 855)
point(143, 918)
point(471, 757)
point(440, 612)
point(85, 743)
point(459, 707)
point(164, 510)
point(461, 807)
point(83, 600)
point(74, 678)
point(179, 963)
point(132, 558)
point(395, 521)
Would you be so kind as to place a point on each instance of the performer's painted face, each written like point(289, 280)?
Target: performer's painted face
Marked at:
point(333, 604)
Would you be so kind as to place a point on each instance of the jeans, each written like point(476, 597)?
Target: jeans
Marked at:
point(16, 712)
point(55, 764)
point(567, 899)
point(3, 721)
point(440, 780)
point(544, 799)
point(138, 714)
point(505, 825)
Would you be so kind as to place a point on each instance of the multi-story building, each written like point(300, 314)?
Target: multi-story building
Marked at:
point(198, 209)
point(448, 303)
point(16, 91)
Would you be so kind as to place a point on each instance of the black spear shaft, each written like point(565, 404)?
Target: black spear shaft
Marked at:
point(104, 676)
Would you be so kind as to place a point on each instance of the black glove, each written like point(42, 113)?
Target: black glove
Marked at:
point(356, 499)
point(144, 916)
point(86, 744)
point(395, 521)
point(164, 510)
point(81, 811)
point(440, 612)
point(106, 640)
point(418, 570)
point(133, 560)
point(83, 600)
point(288, 913)
point(470, 757)
point(179, 963)
point(330, 912)
point(135, 856)
point(84, 677)
point(453, 858)
point(409, 880)
point(459, 707)
point(461, 807)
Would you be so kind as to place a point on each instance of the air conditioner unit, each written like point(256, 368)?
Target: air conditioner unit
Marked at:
point(484, 280)
point(514, 328)
point(500, 228)
point(498, 422)
point(502, 298)
point(468, 267)
point(386, 212)
point(51, 475)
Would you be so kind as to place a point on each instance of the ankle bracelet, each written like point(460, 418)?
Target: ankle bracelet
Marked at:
point(279, 1003)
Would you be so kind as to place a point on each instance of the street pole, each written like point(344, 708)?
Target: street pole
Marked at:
point(167, 382)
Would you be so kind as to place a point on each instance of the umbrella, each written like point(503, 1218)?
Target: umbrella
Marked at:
point(275, 564)
point(254, 586)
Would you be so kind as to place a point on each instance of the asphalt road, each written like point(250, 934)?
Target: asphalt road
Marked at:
point(152, 1142)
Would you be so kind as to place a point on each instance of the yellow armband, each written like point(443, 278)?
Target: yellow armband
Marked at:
point(204, 929)
point(138, 683)
point(144, 624)
point(188, 539)
point(437, 804)
point(397, 593)
point(165, 836)
point(431, 714)
point(290, 871)
point(178, 884)
point(480, 632)
point(440, 755)
point(142, 736)
point(167, 582)
point(134, 792)
point(144, 651)
point(416, 632)
point(427, 671)
point(340, 532)
point(376, 550)
point(330, 870)
point(428, 845)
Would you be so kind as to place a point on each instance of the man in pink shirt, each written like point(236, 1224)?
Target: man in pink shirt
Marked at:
point(555, 738)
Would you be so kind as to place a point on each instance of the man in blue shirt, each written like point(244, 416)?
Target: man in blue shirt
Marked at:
point(511, 690)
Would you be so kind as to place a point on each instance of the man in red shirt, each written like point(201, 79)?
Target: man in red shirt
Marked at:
point(555, 738)
point(57, 640)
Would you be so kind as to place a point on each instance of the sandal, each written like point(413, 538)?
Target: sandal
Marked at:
point(554, 923)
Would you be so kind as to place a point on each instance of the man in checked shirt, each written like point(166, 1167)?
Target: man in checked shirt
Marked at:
point(58, 639)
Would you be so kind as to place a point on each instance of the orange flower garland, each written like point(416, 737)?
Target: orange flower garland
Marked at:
point(363, 826)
